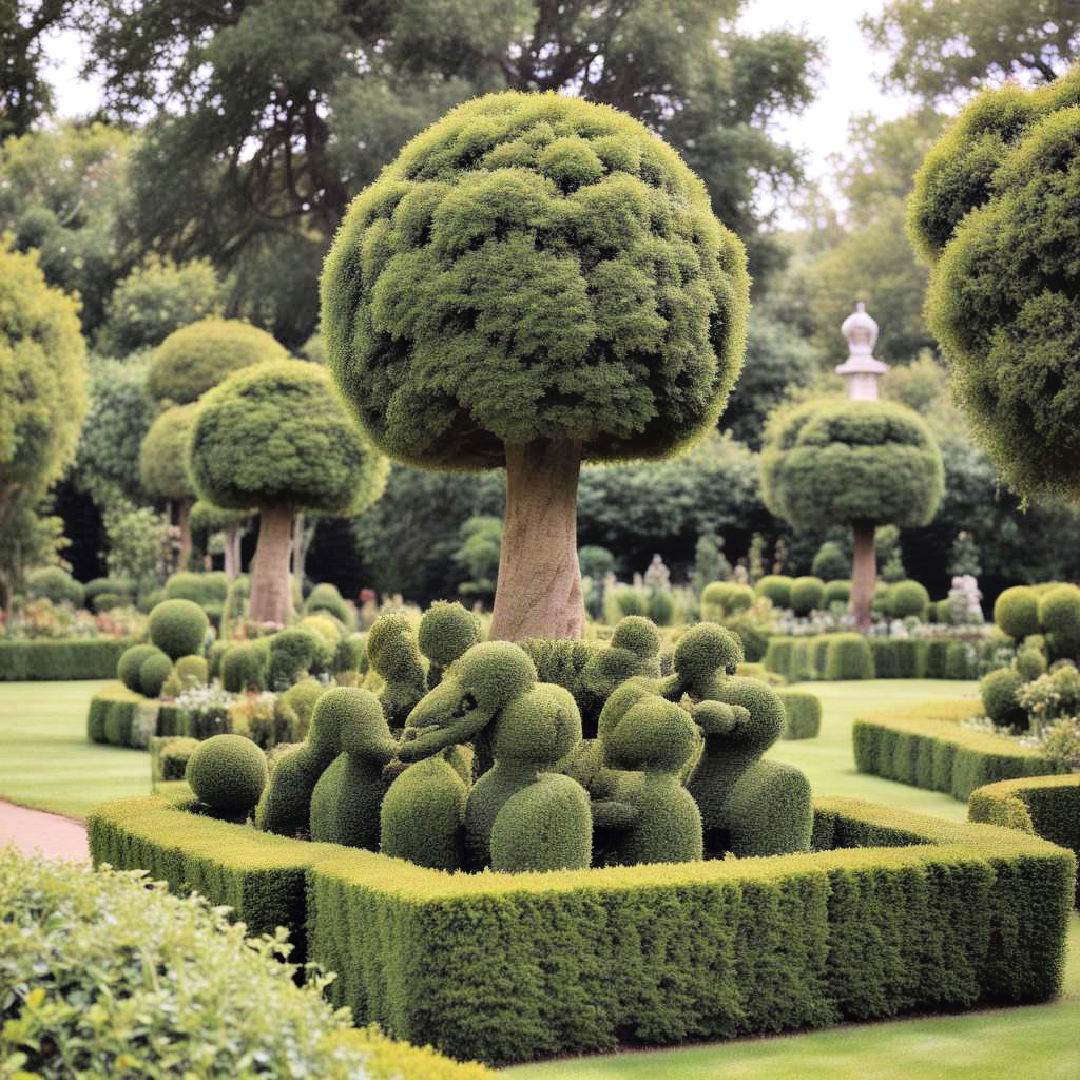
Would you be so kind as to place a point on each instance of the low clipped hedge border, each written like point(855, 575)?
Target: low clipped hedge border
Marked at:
point(120, 717)
point(1048, 806)
point(807, 657)
point(803, 714)
point(897, 913)
point(927, 748)
point(78, 658)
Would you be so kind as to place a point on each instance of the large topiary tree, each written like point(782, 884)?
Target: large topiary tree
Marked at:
point(163, 468)
point(277, 437)
point(994, 210)
point(854, 463)
point(534, 282)
point(198, 356)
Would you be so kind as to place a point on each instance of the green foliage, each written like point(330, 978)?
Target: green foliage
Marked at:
point(208, 590)
point(596, 562)
point(423, 815)
point(906, 598)
point(49, 659)
point(154, 670)
point(163, 457)
point(807, 595)
point(776, 588)
point(837, 592)
point(850, 462)
point(998, 691)
point(169, 757)
point(178, 627)
point(831, 562)
point(569, 208)
point(127, 666)
point(1030, 663)
point(660, 607)
point(848, 657)
point(394, 654)
point(227, 773)
point(778, 656)
point(244, 667)
point(138, 540)
point(111, 719)
point(928, 748)
point(802, 712)
point(293, 653)
point(53, 583)
point(447, 631)
point(721, 599)
point(325, 597)
point(1016, 612)
point(276, 433)
point(197, 357)
point(481, 544)
point(1059, 619)
point(961, 661)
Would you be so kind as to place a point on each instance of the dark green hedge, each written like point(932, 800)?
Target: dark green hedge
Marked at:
point(118, 717)
point(800, 658)
point(1048, 806)
point(926, 747)
point(78, 658)
point(507, 968)
point(803, 711)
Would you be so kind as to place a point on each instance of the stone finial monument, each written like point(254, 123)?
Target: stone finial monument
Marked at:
point(861, 371)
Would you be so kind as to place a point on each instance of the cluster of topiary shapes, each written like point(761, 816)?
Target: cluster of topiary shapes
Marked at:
point(178, 631)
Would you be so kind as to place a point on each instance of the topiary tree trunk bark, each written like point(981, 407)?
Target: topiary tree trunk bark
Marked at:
point(863, 573)
point(538, 593)
point(271, 584)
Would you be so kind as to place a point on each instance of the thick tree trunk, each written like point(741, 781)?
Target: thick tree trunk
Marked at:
point(232, 550)
point(271, 586)
point(183, 523)
point(539, 588)
point(863, 574)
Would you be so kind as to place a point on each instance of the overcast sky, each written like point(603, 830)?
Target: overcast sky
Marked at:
point(848, 86)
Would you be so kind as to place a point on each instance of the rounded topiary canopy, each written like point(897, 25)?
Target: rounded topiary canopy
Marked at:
point(163, 455)
point(198, 356)
point(534, 267)
point(996, 207)
point(278, 434)
point(851, 462)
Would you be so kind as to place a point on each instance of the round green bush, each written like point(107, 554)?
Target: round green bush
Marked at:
point(722, 599)
point(52, 583)
point(153, 672)
point(661, 607)
point(107, 601)
point(178, 627)
point(630, 601)
point(149, 600)
point(447, 630)
point(228, 773)
point(244, 667)
point(193, 671)
point(1059, 611)
point(776, 588)
point(837, 592)
point(831, 561)
point(807, 594)
point(293, 652)
point(127, 667)
point(907, 598)
point(754, 638)
point(208, 590)
point(1016, 612)
point(998, 691)
point(325, 597)
point(119, 586)
point(163, 454)
point(1030, 663)
point(849, 657)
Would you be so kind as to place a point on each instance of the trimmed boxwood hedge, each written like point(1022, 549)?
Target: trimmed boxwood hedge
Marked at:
point(893, 658)
point(924, 915)
point(59, 658)
point(803, 711)
point(119, 717)
point(1048, 806)
point(926, 747)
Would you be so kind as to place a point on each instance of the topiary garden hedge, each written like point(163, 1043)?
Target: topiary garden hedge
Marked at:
point(804, 658)
point(57, 659)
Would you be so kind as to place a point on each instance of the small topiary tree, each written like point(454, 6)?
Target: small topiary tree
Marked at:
point(1016, 612)
point(178, 628)
point(856, 463)
point(1059, 616)
point(807, 595)
point(163, 469)
point(776, 588)
point(228, 773)
point(276, 436)
point(535, 281)
point(127, 667)
point(906, 598)
point(837, 592)
point(196, 357)
point(998, 691)
point(154, 670)
point(831, 561)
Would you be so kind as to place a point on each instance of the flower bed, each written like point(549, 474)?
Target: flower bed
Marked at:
point(894, 913)
point(927, 747)
point(47, 658)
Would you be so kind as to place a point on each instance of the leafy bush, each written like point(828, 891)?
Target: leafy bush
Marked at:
point(228, 773)
point(293, 653)
point(154, 669)
point(127, 667)
point(169, 756)
point(1016, 611)
point(807, 594)
point(60, 659)
point(178, 628)
point(208, 590)
point(55, 584)
point(325, 597)
point(837, 592)
point(778, 656)
point(776, 588)
point(803, 711)
point(999, 697)
point(848, 657)
point(661, 607)
point(831, 562)
point(907, 598)
point(244, 667)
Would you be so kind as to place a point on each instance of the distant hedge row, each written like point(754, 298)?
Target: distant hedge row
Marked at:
point(927, 747)
point(77, 658)
point(924, 915)
point(853, 656)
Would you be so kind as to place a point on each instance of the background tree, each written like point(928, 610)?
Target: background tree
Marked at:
point(481, 543)
point(276, 436)
point(25, 93)
point(163, 469)
point(42, 402)
point(210, 519)
point(518, 304)
point(860, 463)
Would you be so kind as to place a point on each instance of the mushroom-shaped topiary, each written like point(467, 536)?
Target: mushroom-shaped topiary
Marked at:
point(994, 212)
point(228, 773)
point(276, 436)
point(854, 463)
point(200, 355)
point(535, 281)
point(163, 468)
point(447, 631)
point(178, 627)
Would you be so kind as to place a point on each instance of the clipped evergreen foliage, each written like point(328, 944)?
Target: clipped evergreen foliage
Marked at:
point(1059, 617)
point(178, 627)
point(807, 595)
point(163, 454)
point(244, 667)
point(394, 655)
point(848, 657)
point(53, 583)
point(228, 773)
point(1016, 612)
point(776, 588)
point(722, 599)
point(906, 598)
point(298, 704)
point(998, 690)
point(513, 275)
point(208, 590)
point(293, 653)
point(154, 669)
point(1030, 663)
point(345, 801)
point(422, 818)
point(325, 597)
point(200, 355)
point(831, 562)
point(704, 657)
point(802, 711)
point(447, 631)
point(192, 671)
point(837, 592)
point(127, 667)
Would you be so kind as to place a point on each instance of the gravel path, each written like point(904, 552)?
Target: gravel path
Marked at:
point(35, 830)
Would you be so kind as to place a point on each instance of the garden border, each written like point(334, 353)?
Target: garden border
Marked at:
point(61, 658)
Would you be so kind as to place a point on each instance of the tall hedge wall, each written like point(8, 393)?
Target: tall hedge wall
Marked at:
point(78, 658)
point(515, 967)
point(926, 747)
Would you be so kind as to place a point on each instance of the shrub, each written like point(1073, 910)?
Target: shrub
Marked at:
point(776, 588)
point(907, 598)
point(831, 561)
point(244, 667)
point(723, 599)
point(630, 601)
point(848, 657)
point(55, 659)
point(661, 607)
point(349, 655)
point(293, 653)
point(117, 586)
point(803, 711)
point(169, 756)
point(802, 660)
point(886, 662)
point(127, 667)
point(1030, 664)
point(998, 691)
point(208, 590)
point(1016, 611)
point(121, 717)
point(778, 656)
point(325, 597)
point(178, 627)
point(447, 631)
point(108, 601)
point(54, 584)
point(1059, 617)
point(807, 594)
point(837, 592)
point(961, 661)
point(192, 671)
point(154, 669)
point(228, 773)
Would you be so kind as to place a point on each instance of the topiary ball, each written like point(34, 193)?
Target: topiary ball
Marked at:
point(1059, 611)
point(127, 667)
point(153, 672)
point(193, 671)
point(837, 592)
point(807, 594)
point(178, 627)
point(1030, 663)
point(998, 691)
point(244, 667)
point(907, 598)
point(447, 631)
point(1016, 612)
point(228, 773)
point(776, 588)
point(706, 649)
point(636, 634)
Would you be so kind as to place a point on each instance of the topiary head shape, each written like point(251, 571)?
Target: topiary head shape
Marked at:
point(447, 631)
point(536, 728)
point(534, 267)
point(653, 734)
point(365, 733)
point(703, 654)
point(638, 635)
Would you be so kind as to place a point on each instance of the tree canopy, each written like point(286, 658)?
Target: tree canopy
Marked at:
point(163, 457)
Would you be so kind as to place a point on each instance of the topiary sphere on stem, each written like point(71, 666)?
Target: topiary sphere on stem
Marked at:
point(534, 282)
point(854, 463)
point(276, 436)
point(163, 468)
